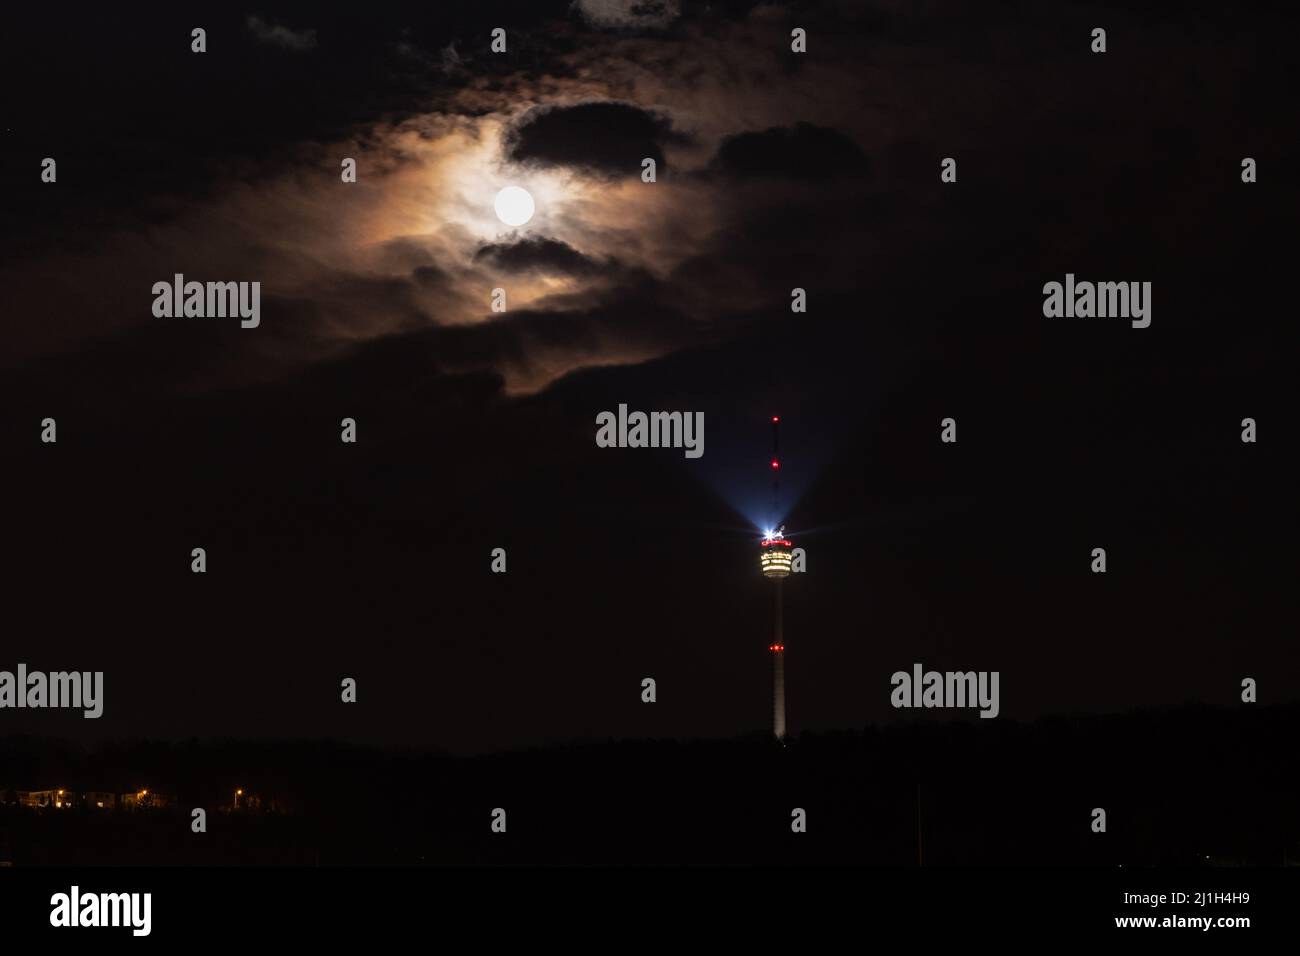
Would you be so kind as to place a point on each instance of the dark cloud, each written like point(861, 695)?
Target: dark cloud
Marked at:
point(282, 36)
point(430, 277)
point(604, 137)
point(624, 14)
point(803, 152)
point(538, 254)
point(530, 346)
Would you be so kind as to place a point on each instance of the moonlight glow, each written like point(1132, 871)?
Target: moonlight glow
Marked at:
point(514, 206)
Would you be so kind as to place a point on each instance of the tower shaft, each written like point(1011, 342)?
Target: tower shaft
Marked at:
point(778, 670)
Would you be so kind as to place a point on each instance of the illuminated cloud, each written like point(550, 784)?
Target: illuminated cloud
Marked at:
point(414, 245)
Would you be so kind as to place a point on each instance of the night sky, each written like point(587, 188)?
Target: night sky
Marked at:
point(476, 429)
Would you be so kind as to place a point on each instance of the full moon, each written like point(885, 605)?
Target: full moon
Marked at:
point(514, 206)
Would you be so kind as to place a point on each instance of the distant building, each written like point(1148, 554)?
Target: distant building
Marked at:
point(62, 799)
point(59, 799)
point(146, 799)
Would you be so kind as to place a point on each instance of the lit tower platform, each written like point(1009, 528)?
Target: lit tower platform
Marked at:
point(775, 556)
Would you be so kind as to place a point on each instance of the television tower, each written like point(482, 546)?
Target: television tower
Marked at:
point(775, 557)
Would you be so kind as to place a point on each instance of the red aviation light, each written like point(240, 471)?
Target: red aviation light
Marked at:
point(775, 464)
point(776, 419)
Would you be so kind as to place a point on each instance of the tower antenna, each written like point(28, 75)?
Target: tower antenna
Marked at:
point(776, 470)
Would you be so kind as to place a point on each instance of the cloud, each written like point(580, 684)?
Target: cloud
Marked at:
point(415, 247)
point(277, 35)
point(628, 13)
point(449, 60)
point(606, 138)
point(803, 152)
point(531, 348)
point(538, 254)
point(776, 184)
